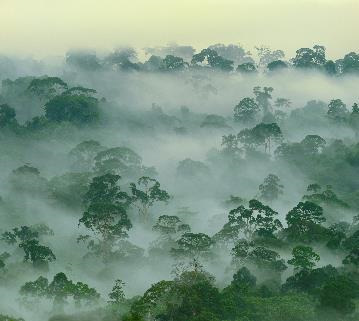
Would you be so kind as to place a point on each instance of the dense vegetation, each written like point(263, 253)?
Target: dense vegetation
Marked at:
point(208, 186)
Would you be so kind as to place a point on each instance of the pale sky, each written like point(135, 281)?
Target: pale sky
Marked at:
point(51, 27)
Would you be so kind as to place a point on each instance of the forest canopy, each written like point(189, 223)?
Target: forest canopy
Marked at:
point(185, 185)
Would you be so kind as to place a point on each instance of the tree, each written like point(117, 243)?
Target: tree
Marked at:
point(351, 244)
point(38, 254)
point(246, 111)
point(315, 188)
point(337, 110)
point(230, 145)
point(243, 281)
point(310, 281)
point(122, 59)
point(330, 67)
point(233, 52)
point(77, 109)
point(83, 154)
point(85, 60)
point(307, 58)
point(350, 63)
point(304, 258)
point(47, 87)
point(277, 65)
point(106, 215)
point(59, 289)
point(214, 121)
point(7, 116)
point(146, 193)
point(354, 119)
point(198, 298)
point(193, 245)
point(247, 68)
point(313, 144)
point(282, 103)
point(263, 98)
point(26, 179)
point(172, 63)
point(338, 294)
point(117, 295)
point(326, 197)
point(214, 60)
point(121, 161)
point(3, 257)
point(298, 307)
point(352, 258)
point(257, 220)
point(266, 55)
point(69, 189)
point(81, 91)
point(234, 295)
point(337, 235)
point(27, 239)
point(168, 225)
point(271, 188)
point(259, 256)
point(304, 222)
point(261, 134)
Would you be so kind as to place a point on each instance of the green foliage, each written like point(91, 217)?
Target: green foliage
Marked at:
point(246, 111)
point(350, 63)
point(304, 223)
point(120, 161)
point(59, 290)
point(308, 58)
point(310, 281)
point(27, 239)
point(261, 134)
point(337, 110)
point(258, 256)
point(304, 258)
point(172, 63)
point(327, 197)
point(77, 109)
point(214, 60)
point(257, 220)
point(7, 117)
point(277, 65)
point(146, 193)
point(282, 308)
point(271, 189)
point(117, 295)
point(38, 254)
point(83, 154)
point(338, 294)
point(247, 68)
point(69, 189)
point(105, 214)
point(193, 245)
point(47, 87)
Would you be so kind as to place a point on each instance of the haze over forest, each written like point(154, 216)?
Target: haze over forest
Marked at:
point(176, 182)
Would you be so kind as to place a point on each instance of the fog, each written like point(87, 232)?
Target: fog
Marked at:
point(161, 116)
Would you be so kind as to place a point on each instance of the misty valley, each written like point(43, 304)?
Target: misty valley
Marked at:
point(174, 184)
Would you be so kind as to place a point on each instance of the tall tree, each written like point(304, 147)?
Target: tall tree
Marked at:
point(246, 111)
point(304, 258)
point(271, 188)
